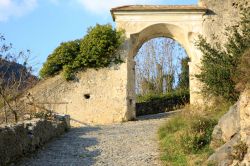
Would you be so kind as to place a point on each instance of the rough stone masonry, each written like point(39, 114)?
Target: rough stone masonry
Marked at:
point(17, 140)
point(108, 95)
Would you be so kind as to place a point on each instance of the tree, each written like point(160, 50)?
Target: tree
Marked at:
point(219, 64)
point(99, 48)
point(158, 64)
point(15, 78)
point(146, 69)
point(169, 82)
point(183, 83)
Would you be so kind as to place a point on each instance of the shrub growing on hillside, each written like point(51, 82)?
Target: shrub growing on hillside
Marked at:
point(219, 66)
point(63, 55)
point(97, 49)
point(199, 135)
point(185, 138)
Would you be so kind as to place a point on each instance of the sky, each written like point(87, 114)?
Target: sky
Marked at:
point(41, 25)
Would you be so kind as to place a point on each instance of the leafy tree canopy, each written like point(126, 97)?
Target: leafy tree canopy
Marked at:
point(95, 50)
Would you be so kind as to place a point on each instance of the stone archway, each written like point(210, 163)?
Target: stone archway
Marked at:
point(142, 23)
point(111, 90)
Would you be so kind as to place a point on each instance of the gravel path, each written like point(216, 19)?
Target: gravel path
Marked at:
point(127, 144)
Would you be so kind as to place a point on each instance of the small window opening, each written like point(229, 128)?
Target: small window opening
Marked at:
point(130, 101)
point(87, 96)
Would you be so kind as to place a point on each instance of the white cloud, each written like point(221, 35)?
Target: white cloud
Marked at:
point(102, 6)
point(15, 8)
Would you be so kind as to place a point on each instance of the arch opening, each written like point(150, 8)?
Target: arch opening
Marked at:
point(159, 57)
point(159, 78)
point(160, 30)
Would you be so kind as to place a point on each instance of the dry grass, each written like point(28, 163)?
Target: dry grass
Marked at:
point(242, 78)
point(185, 139)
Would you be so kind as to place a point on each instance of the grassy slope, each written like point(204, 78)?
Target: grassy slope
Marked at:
point(185, 138)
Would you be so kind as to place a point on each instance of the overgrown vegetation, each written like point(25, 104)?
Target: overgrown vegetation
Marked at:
point(185, 138)
point(99, 48)
point(223, 69)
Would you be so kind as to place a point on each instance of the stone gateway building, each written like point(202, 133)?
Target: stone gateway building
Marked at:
point(108, 95)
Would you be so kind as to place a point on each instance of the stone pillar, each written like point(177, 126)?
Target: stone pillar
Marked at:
point(130, 80)
point(131, 96)
point(195, 85)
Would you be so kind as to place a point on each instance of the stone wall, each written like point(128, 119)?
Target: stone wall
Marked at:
point(221, 14)
point(94, 97)
point(17, 140)
point(160, 105)
point(108, 95)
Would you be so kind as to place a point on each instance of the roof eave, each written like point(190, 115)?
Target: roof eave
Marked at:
point(113, 10)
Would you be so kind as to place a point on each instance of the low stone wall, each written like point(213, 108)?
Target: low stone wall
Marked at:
point(158, 106)
point(17, 140)
point(153, 104)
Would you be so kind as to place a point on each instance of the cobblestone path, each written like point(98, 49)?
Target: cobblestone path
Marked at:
point(128, 144)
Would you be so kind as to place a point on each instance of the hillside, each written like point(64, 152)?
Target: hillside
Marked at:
point(12, 73)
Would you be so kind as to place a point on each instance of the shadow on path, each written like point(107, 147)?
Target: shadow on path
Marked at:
point(69, 149)
point(132, 143)
point(157, 116)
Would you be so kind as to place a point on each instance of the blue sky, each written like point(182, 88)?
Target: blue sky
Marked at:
point(41, 25)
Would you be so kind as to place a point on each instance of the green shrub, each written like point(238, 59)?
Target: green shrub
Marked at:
point(68, 72)
point(63, 55)
point(179, 95)
point(199, 135)
point(99, 48)
point(219, 65)
point(183, 83)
